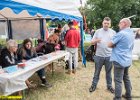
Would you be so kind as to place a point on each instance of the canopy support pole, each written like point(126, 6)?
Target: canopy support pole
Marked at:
point(82, 44)
point(42, 32)
point(9, 26)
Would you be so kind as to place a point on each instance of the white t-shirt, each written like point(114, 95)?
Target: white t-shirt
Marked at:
point(102, 49)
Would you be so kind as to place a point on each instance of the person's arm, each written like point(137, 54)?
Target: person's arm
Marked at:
point(6, 59)
point(110, 45)
point(19, 54)
point(79, 37)
point(66, 37)
point(34, 53)
point(95, 39)
point(20, 57)
point(115, 39)
point(57, 40)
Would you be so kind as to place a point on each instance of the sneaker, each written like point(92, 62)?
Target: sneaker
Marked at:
point(46, 85)
point(92, 88)
point(69, 72)
point(110, 89)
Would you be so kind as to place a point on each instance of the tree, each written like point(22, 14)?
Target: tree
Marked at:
point(96, 10)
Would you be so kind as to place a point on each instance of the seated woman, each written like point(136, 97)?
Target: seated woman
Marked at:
point(53, 41)
point(8, 54)
point(27, 52)
point(54, 38)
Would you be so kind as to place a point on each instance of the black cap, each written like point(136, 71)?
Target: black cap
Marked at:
point(70, 23)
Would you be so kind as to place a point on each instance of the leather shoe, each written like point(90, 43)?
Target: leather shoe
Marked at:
point(111, 90)
point(126, 97)
point(92, 88)
point(115, 98)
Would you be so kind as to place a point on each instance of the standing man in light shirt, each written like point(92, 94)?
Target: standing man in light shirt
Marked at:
point(102, 56)
point(122, 44)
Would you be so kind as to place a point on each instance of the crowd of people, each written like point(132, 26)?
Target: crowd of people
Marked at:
point(112, 49)
point(12, 55)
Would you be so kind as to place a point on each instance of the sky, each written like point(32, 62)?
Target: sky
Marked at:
point(78, 2)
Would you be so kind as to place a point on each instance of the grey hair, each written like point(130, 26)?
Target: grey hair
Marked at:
point(128, 21)
point(11, 43)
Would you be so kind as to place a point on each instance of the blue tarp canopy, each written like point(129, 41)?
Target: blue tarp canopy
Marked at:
point(60, 9)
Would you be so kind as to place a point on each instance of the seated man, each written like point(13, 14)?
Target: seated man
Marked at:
point(40, 48)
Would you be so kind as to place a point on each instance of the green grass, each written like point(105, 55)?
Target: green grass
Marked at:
point(2, 42)
point(75, 87)
point(136, 64)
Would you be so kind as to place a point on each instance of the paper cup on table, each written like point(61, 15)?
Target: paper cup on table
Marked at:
point(21, 65)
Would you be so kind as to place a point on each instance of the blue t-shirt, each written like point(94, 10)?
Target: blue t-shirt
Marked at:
point(123, 44)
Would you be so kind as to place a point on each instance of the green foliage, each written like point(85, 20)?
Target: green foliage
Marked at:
point(54, 23)
point(96, 10)
point(2, 42)
point(86, 45)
